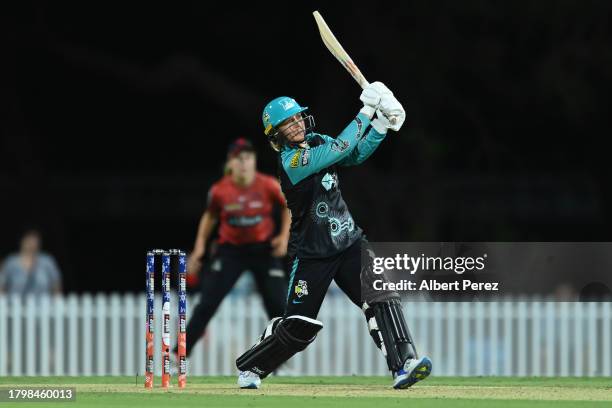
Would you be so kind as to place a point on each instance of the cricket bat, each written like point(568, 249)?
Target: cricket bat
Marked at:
point(334, 46)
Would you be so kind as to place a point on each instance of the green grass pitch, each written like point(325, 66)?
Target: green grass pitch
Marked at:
point(312, 392)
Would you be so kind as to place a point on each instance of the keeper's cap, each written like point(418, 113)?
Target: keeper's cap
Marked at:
point(238, 146)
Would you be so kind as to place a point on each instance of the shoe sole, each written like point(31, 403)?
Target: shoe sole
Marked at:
point(421, 372)
point(249, 387)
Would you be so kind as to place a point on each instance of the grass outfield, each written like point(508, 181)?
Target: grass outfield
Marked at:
point(310, 392)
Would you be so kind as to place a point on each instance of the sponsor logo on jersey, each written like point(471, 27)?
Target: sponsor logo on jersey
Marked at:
point(305, 157)
point(255, 204)
point(244, 221)
point(295, 160)
point(232, 207)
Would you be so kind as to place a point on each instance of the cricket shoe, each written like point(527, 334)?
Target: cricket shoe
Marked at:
point(414, 370)
point(249, 380)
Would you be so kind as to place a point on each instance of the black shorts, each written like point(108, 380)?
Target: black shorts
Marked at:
point(310, 278)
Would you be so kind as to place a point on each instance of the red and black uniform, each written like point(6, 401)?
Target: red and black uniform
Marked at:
point(246, 226)
point(245, 213)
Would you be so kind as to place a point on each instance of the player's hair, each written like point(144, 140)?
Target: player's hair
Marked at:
point(278, 139)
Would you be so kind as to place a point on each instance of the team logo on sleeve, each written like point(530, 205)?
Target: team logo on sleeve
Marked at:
point(359, 126)
point(340, 145)
point(301, 288)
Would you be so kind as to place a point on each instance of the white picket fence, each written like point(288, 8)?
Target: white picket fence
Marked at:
point(104, 335)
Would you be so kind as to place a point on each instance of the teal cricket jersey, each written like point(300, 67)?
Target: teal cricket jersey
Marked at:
point(321, 224)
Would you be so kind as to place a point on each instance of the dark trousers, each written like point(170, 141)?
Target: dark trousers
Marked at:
point(222, 273)
point(310, 278)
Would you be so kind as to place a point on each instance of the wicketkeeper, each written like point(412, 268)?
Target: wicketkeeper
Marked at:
point(325, 243)
point(242, 203)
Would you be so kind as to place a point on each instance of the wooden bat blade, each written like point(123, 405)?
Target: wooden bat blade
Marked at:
point(334, 46)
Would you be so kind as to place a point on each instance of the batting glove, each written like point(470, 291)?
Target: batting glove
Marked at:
point(381, 123)
point(371, 97)
point(393, 111)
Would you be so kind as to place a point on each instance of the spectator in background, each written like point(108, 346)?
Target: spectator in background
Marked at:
point(30, 272)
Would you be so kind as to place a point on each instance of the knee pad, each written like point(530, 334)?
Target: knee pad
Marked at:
point(282, 338)
point(389, 331)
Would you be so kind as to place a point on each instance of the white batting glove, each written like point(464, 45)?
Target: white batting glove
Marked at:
point(380, 123)
point(392, 110)
point(381, 88)
point(371, 97)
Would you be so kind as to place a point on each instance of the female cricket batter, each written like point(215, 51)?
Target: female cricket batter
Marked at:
point(242, 201)
point(325, 243)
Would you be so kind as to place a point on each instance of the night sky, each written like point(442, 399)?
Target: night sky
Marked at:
point(115, 119)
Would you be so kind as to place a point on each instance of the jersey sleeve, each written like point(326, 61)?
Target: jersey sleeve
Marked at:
point(213, 202)
point(300, 163)
point(365, 147)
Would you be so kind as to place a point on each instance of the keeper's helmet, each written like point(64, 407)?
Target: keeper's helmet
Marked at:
point(279, 110)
